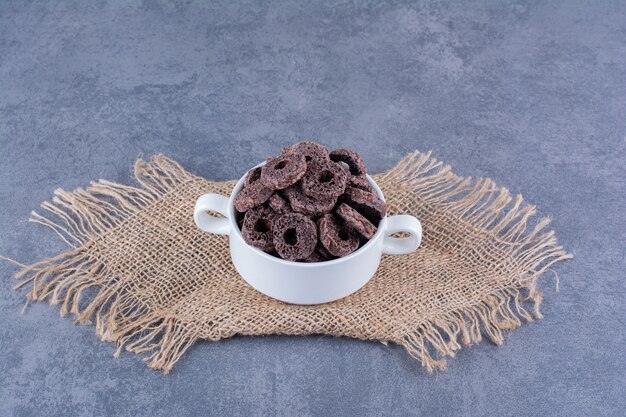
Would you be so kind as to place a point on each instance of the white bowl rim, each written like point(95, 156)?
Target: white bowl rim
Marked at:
point(235, 229)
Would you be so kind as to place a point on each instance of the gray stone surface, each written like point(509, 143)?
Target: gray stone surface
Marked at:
point(531, 94)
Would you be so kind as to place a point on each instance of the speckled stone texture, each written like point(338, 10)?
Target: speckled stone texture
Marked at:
point(530, 94)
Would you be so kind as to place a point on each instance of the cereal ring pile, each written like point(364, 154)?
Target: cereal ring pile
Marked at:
point(308, 204)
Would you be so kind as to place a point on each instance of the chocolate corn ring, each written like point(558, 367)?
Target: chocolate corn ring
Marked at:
point(356, 220)
point(338, 240)
point(323, 253)
point(239, 218)
point(301, 203)
point(310, 150)
point(281, 172)
point(279, 204)
point(352, 159)
point(366, 203)
point(251, 196)
point(361, 182)
point(295, 236)
point(252, 176)
point(320, 254)
point(324, 180)
point(258, 226)
point(313, 257)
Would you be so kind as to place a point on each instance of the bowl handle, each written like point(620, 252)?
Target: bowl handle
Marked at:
point(207, 222)
point(402, 245)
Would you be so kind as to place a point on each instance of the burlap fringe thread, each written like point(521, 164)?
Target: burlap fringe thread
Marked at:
point(86, 215)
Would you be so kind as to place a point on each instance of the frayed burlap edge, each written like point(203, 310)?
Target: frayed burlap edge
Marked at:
point(87, 215)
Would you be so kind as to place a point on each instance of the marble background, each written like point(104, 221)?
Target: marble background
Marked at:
point(529, 93)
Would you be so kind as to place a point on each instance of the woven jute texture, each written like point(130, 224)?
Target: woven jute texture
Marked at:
point(152, 283)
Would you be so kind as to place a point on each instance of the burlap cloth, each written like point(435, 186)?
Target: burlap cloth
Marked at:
point(154, 284)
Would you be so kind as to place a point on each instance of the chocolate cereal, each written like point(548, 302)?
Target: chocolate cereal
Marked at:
point(361, 182)
point(310, 150)
point(252, 176)
point(295, 236)
point(357, 221)
point(281, 172)
point(323, 252)
point(257, 228)
point(351, 158)
point(309, 205)
point(366, 203)
point(279, 204)
point(337, 239)
point(301, 203)
point(251, 196)
point(324, 180)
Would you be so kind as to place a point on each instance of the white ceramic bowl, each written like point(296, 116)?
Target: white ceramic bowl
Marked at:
point(299, 282)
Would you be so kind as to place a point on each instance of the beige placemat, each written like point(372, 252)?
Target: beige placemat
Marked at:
point(151, 282)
